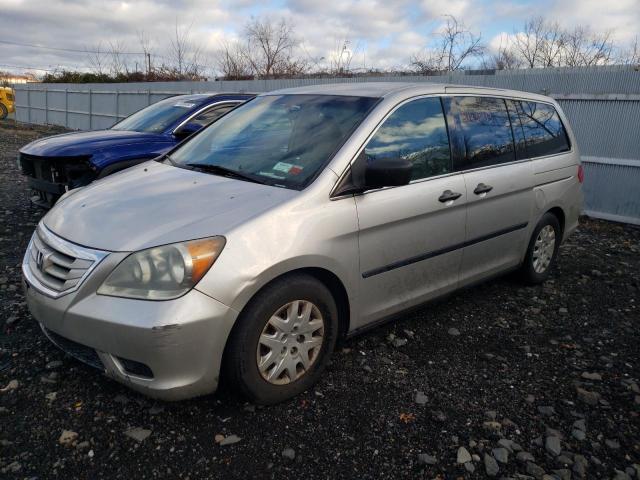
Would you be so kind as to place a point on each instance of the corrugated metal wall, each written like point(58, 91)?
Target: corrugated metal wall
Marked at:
point(602, 104)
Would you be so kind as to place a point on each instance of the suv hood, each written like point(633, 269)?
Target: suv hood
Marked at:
point(154, 204)
point(86, 143)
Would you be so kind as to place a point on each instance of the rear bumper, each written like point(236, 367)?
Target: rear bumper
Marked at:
point(180, 342)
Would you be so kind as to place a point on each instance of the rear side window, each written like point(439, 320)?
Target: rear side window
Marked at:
point(416, 132)
point(543, 129)
point(483, 129)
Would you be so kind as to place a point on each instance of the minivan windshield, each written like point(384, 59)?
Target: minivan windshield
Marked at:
point(282, 140)
point(158, 117)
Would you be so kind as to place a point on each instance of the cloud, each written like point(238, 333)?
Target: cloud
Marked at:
point(380, 33)
point(622, 17)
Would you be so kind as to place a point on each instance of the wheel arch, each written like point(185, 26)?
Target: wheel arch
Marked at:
point(558, 212)
point(330, 280)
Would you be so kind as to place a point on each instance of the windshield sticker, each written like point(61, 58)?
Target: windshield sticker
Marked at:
point(295, 170)
point(184, 105)
point(282, 167)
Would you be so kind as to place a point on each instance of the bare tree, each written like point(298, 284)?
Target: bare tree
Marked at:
point(269, 48)
point(232, 62)
point(96, 58)
point(118, 59)
point(584, 48)
point(455, 46)
point(552, 44)
point(185, 54)
point(504, 58)
point(545, 44)
point(341, 56)
point(145, 45)
point(426, 61)
point(458, 44)
point(529, 42)
point(631, 56)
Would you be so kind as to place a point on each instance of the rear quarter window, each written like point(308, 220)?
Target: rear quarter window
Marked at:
point(543, 130)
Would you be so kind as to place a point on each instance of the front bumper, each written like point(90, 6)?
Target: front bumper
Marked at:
point(181, 341)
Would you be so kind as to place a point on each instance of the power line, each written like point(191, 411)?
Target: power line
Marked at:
point(30, 45)
point(26, 68)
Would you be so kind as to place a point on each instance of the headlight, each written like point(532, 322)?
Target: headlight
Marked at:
point(163, 273)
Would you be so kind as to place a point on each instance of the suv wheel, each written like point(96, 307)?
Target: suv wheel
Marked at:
point(543, 249)
point(283, 340)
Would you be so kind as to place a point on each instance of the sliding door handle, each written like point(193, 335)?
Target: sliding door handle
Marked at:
point(482, 188)
point(448, 196)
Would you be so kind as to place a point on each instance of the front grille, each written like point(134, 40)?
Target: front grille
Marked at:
point(56, 266)
point(63, 170)
point(50, 177)
point(83, 353)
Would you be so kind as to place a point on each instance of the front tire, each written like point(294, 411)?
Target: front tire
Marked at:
point(283, 340)
point(542, 252)
point(3, 112)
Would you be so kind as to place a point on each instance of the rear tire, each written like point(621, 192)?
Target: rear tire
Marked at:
point(3, 112)
point(283, 340)
point(542, 252)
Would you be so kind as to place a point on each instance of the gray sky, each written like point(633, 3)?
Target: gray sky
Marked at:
point(381, 34)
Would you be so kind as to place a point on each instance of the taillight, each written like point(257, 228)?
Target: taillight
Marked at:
point(580, 174)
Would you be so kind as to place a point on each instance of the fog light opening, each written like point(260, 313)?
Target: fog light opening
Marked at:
point(137, 369)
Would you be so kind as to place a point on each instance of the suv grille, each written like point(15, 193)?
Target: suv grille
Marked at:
point(55, 266)
point(60, 170)
point(50, 177)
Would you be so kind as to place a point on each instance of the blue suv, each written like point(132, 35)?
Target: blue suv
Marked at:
point(56, 164)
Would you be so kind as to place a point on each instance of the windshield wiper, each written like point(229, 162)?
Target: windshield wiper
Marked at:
point(224, 172)
point(165, 156)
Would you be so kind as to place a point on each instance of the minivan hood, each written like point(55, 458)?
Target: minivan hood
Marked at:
point(85, 143)
point(154, 204)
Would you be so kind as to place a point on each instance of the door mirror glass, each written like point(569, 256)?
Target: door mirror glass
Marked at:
point(387, 172)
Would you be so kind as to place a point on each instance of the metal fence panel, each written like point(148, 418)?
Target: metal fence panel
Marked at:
point(605, 128)
point(602, 104)
point(612, 189)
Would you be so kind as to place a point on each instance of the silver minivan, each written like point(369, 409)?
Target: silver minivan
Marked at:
point(302, 217)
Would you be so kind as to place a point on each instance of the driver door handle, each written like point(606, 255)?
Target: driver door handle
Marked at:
point(448, 195)
point(482, 188)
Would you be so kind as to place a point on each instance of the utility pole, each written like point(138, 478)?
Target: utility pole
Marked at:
point(148, 63)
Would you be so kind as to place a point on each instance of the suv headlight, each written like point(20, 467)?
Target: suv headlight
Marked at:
point(163, 273)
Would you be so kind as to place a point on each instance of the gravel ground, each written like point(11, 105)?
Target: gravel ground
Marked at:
point(500, 380)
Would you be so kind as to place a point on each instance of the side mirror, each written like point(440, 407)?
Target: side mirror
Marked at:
point(387, 172)
point(187, 130)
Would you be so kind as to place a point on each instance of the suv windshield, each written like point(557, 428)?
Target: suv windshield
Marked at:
point(158, 117)
point(281, 140)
